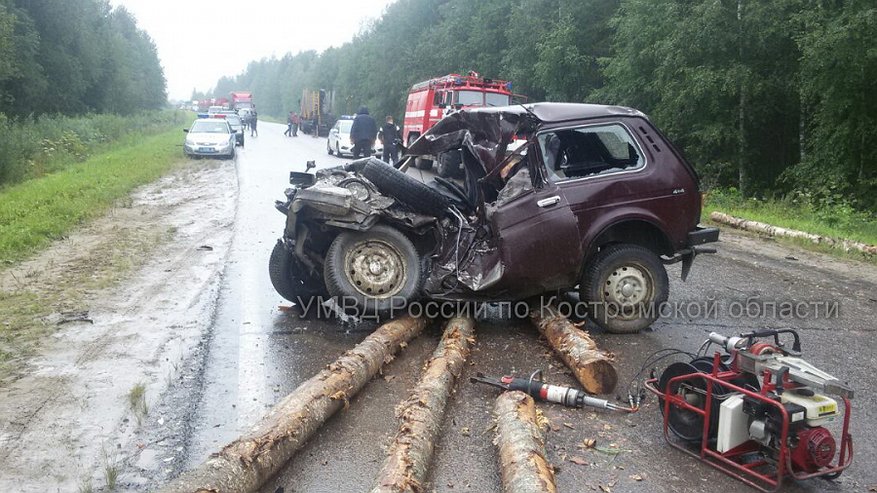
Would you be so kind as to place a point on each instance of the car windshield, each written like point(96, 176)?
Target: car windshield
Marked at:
point(209, 127)
point(496, 99)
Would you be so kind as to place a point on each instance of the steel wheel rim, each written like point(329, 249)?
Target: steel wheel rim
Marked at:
point(375, 269)
point(628, 287)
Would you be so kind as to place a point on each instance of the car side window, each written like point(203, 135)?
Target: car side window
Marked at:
point(589, 150)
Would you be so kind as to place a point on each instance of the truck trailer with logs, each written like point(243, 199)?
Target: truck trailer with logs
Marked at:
point(316, 111)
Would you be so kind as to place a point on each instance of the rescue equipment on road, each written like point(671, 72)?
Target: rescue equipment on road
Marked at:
point(759, 412)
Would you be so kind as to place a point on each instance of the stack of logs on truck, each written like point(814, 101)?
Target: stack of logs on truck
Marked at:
point(316, 106)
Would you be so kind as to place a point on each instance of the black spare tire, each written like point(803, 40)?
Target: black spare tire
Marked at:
point(373, 272)
point(287, 277)
point(407, 190)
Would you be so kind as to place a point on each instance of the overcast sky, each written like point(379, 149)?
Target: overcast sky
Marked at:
point(199, 41)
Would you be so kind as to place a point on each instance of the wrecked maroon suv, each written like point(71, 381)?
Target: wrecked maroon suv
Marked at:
point(591, 198)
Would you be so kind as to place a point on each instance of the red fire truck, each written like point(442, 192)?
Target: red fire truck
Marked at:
point(431, 100)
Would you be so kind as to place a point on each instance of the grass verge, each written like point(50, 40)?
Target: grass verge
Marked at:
point(837, 222)
point(38, 211)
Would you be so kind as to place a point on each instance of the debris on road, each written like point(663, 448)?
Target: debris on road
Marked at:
point(591, 366)
point(523, 465)
point(421, 414)
point(246, 463)
point(537, 389)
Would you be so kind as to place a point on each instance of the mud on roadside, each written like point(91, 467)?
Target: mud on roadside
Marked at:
point(97, 326)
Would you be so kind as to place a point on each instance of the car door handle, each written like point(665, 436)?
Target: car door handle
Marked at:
point(548, 202)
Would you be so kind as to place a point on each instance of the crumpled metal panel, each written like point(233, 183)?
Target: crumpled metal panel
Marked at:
point(485, 133)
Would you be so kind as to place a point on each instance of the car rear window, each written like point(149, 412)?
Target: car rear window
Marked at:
point(589, 150)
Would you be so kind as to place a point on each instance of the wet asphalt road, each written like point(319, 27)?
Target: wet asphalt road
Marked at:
point(258, 354)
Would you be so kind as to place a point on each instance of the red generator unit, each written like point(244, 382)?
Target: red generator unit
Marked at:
point(759, 412)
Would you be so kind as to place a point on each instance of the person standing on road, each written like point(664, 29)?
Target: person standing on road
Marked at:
point(362, 133)
point(296, 121)
point(389, 136)
point(253, 119)
point(288, 131)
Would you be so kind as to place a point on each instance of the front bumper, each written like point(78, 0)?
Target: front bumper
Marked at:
point(208, 150)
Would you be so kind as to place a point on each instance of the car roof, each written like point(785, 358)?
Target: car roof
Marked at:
point(561, 112)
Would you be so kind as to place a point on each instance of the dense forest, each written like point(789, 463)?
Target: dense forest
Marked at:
point(74, 57)
point(771, 98)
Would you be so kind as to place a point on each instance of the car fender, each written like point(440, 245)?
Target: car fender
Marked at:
point(654, 232)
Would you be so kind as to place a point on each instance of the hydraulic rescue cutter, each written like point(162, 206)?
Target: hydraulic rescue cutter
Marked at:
point(758, 412)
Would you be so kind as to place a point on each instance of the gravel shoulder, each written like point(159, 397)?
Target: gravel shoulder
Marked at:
point(115, 311)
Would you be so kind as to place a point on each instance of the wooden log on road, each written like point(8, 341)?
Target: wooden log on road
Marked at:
point(523, 465)
point(421, 415)
point(592, 367)
point(246, 463)
point(769, 229)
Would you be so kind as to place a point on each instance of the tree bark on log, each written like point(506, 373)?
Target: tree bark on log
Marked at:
point(421, 414)
point(764, 228)
point(246, 463)
point(591, 366)
point(521, 447)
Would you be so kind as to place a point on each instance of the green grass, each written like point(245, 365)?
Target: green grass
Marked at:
point(837, 222)
point(38, 211)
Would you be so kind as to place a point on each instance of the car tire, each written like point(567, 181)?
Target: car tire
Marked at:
point(411, 192)
point(282, 268)
point(448, 165)
point(329, 149)
point(390, 278)
point(337, 150)
point(632, 280)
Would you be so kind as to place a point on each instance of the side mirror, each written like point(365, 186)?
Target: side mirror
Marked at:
point(186, 130)
point(310, 165)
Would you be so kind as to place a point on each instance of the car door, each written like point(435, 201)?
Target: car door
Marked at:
point(539, 239)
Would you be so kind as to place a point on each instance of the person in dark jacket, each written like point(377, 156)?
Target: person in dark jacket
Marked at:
point(362, 133)
point(389, 136)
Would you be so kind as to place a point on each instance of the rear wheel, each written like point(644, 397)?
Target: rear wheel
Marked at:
point(373, 272)
point(329, 149)
point(626, 285)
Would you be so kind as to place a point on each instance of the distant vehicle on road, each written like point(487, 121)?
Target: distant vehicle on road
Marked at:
point(237, 125)
point(214, 109)
point(241, 100)
point(338, 141)
point(210, 137)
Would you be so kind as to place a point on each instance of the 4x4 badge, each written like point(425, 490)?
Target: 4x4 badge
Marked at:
point(678, 191)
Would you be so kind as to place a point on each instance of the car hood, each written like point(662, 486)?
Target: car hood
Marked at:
point(208, 138)
point(488, 132)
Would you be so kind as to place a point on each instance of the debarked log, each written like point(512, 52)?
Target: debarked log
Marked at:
point(523, 465)
point(592, 367)
point(421, 414)
point(768, 229)
point(246, 463)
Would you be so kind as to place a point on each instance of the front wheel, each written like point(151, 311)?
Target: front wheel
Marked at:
point(625, 285)
point(373, 272)
point(329, 149)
